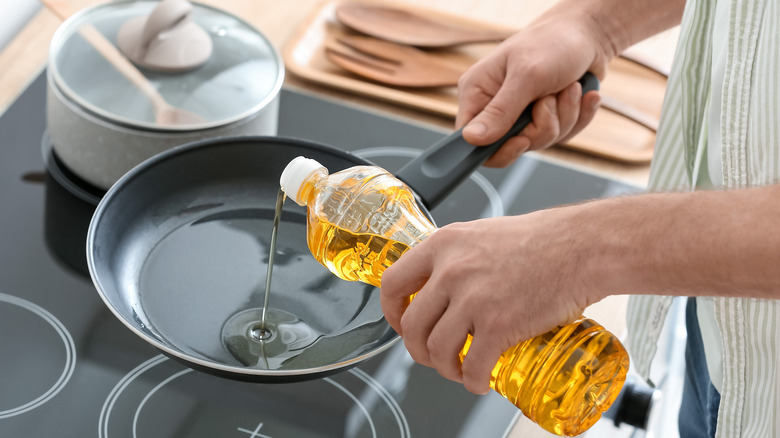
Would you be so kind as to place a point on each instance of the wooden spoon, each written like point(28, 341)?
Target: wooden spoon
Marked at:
point(391, 63)
point(405, 66)
point(410, 28)
point(406, 27)
point(165, 113)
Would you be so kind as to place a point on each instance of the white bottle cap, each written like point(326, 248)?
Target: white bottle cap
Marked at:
point(294, 175)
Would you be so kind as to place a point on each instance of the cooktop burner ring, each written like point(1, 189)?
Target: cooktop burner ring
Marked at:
point(160, 371)
point(70, 356)
point(495, 203)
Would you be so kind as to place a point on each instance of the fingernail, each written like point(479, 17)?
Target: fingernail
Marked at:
point(596, 103)
point(551, 106)
point(574, 93)
point(523, 144)
point(482, 391)
point(475, 128)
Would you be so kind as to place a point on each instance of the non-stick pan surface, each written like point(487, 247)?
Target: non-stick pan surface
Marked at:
point(178, 249)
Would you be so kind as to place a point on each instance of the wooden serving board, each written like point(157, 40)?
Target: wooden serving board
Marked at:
point(609, 135)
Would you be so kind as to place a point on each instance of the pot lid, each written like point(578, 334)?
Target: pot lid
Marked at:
point(235, 77)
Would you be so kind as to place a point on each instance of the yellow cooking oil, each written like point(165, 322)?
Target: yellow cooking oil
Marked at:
point(361, 220)
point(564, 379)
point(351, 256)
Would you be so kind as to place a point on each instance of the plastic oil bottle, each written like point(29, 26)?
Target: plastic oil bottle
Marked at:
point(362, 219)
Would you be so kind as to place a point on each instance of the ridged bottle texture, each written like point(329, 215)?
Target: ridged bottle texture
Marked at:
point(362, 219)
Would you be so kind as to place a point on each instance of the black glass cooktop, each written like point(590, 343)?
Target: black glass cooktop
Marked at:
point(68, 368)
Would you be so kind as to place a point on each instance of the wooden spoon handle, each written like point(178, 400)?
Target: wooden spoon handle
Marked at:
point(63, 10)
point(631, 113)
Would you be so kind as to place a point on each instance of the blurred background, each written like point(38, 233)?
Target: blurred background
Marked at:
point(16, 13)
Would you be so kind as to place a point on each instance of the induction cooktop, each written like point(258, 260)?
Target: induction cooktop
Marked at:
point(69, 368)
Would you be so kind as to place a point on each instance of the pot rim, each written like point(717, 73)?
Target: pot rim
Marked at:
point(55, 79)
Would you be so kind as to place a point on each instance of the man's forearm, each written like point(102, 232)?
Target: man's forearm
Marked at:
point(710, 243)
point(623, 23)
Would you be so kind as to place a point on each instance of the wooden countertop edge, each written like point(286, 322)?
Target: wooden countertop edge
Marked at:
point(27, 54)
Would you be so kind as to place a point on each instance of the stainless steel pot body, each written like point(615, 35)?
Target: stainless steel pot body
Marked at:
point(101, 124)
point(100, 150)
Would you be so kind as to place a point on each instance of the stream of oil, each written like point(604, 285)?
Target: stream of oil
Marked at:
point(202, 286)
point(203, 291)
point(271, 338)
point(254, 335)
point(262, 332)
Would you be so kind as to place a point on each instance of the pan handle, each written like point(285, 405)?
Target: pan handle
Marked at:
point(442, 167)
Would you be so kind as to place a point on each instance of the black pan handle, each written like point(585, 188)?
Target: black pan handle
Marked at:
point(442, 167)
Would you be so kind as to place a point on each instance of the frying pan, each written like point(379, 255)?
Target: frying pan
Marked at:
point(178, 251)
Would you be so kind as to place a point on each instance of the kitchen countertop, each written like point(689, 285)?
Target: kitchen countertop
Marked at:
point(25, 56)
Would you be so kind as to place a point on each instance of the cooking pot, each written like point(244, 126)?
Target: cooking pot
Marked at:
point(178, 250)
point(101, 124)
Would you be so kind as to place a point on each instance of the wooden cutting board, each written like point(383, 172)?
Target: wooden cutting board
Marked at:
point(609, 135)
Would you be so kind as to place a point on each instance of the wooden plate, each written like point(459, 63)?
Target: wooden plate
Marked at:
point(609, 135)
